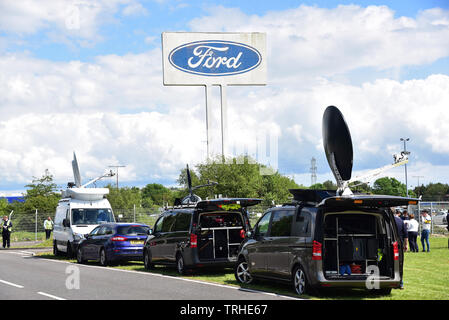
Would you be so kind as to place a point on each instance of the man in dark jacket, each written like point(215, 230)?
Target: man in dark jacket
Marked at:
point(6, 231)
point(403, 235)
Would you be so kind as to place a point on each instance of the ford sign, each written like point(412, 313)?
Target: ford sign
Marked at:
point(215, 58)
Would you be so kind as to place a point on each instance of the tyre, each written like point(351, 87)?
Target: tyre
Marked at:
point(300, 282)
point(241, 272)
point(147, 260)
point(103, 258)
point(79, 256)
point(56, 252)
point(381, 291)
point(180, 266)
point(69, 250)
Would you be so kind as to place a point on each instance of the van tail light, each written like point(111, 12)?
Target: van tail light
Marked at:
point(242, 234)
point(193, 241)
point(395, 251)
point(118, 238)
point(317, 250)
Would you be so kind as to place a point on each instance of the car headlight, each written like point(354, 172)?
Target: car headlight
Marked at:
point(78, 236)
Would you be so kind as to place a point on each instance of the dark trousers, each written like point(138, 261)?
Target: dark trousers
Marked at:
point(412, 241)
point(47, 234)
point(6, 239)
point(425, 240)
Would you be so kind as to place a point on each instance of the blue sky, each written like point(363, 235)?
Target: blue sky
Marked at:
point(97, 89)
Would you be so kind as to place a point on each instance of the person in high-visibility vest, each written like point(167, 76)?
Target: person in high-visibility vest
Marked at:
point(6, 232)
point(48, 226)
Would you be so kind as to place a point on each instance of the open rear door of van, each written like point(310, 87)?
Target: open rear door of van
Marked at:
point(222, 227)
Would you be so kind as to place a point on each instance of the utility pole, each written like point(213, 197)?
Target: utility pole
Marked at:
point(116, 168)
point(405, 166)
point(418, 181)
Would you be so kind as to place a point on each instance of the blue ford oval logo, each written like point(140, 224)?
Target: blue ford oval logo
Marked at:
point(215, 58)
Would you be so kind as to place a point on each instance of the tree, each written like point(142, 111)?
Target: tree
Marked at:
point(124, 198)
point(433, 191)
point(41, 195)
point(238, 177)
point(389, 186)
point(156, 194)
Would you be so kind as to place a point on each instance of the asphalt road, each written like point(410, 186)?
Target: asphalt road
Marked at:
point(24, 276)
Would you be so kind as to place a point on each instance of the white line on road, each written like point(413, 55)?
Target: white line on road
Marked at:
point(50, 295)
point(12, 284)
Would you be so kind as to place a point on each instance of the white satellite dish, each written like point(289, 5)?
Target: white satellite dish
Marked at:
point(76, 171)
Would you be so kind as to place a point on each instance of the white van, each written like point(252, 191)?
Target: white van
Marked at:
point(78, 212)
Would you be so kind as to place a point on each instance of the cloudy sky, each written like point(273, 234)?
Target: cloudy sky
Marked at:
point(86, 76)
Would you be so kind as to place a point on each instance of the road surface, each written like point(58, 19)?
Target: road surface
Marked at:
point(24, 276)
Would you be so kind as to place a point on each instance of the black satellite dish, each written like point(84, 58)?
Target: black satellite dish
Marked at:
point(337, 145)
point(192, 198)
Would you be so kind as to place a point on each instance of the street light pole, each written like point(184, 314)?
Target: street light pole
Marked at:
point(116, 167)
point(405, 166)
point(418, 180)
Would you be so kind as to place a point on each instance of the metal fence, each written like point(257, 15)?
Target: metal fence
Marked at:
point(30, 226)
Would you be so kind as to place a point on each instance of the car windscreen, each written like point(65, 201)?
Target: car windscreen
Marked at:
point(91, 216)
point(133, 230)
point(221, 219)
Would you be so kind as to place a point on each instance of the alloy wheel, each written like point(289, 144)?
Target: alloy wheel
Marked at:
point(242, 273)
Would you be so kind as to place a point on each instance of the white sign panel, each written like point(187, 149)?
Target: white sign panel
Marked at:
point(196, 58)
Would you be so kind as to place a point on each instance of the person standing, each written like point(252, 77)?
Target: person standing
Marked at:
point(6, 232)
point(404, 215)
point(48, 226)
point(426, 223)
point(412, 230)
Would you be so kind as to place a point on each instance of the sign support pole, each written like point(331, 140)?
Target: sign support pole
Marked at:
point(224, 120)
point(208, 101)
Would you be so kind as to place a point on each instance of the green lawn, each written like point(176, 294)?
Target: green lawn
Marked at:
point(426, 277)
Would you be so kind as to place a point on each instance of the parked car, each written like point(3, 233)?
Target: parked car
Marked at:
point(113, 242)
point(207, 233)
point(309, 242)
point(440, 218)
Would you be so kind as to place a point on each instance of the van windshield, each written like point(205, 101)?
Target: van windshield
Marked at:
point(91, 216)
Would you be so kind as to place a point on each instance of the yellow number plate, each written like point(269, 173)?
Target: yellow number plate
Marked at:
point(136, 242)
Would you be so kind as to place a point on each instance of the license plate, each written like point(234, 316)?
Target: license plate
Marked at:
point(136, 242)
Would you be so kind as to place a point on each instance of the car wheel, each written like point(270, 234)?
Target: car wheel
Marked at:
point(180, 266)
point(103, 258)
point(147, 260)
point(69, 250)
point(56, 252)
point(241, 272)
point(79, 256)
point(300, 281)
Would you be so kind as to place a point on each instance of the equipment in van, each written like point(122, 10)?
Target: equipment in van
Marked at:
point(79, 211)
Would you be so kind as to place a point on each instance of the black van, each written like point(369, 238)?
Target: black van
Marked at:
point(322, 240)
point(208, 233)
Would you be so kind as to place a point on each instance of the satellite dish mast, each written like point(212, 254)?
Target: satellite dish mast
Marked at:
point(80, 192)
point(339, 153)
point(193, 198)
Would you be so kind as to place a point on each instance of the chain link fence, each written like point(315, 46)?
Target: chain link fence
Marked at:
point(30, 226)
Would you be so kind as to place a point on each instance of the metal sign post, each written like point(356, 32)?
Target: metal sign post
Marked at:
point(214, 59)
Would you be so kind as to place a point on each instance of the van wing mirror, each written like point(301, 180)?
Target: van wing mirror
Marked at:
point(249, 234)
point(66, 223)
point(150, 232)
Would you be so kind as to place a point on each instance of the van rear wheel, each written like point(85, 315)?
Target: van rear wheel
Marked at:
point(300, 283)
point(241, 272)
point(56, 252)
point(180, 266)
point(147, 260)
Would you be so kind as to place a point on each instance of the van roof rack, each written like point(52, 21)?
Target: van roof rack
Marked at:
point(311, 195)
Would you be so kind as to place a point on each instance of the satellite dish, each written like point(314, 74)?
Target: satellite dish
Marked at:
point(76, 171)
point(193, 198)
point(337, 146)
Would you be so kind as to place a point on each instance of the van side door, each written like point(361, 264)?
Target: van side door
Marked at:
point(279, 243)
point(179, 234)
point(258, 250)
point(166, 237)
point(302, 236)
point(155, 242)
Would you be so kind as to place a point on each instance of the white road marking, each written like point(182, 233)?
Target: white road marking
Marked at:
point(50, 296)
point(176, 278)
point(12, 284)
